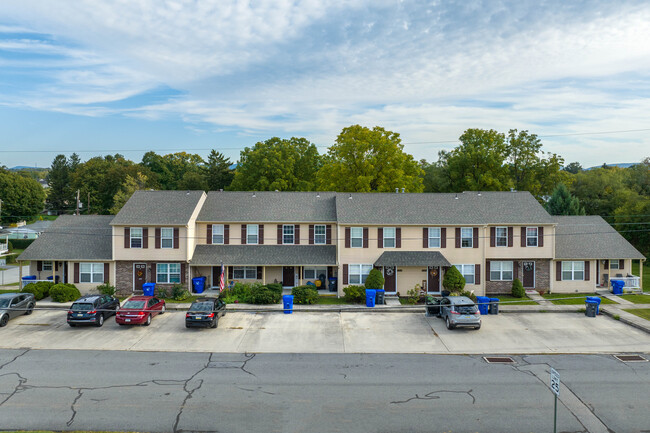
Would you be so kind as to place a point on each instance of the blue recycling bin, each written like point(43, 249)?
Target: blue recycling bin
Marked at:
point(56, 280)
point(617, 286)
point(483, 303)
point(595, 300)
point(287, 302)
point(148, 289)
point(199, 284)
point(29, 278)
point(370, 297)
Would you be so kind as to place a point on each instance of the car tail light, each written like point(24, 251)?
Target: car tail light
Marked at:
point(188, 315)
point(210, 315)
point(69, 311)
point(477, 312)
point(454, 312)
point(140, 313)
point(92, 312)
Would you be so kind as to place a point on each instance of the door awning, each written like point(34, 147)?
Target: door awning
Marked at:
point(412, 258)
point(264, 255)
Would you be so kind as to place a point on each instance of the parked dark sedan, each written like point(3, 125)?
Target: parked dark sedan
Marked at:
point(92, 310)
point(14, 305)
point(138, 310)
point(205, 312)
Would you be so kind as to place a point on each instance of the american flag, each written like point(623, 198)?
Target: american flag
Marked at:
point(222, 281)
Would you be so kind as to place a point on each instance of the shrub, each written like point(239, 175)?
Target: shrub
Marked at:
point(414, 294)
point(40, 289)
point(453, 280)
point(180, 293)
point(356, 294)
point(276, 288)
point(64, 292)
point(304, 295)
point(469, 294)
point(375, 280)
point(517, 289)
point(21, 244)
point(106, 289)
point(162, 292)
point(261, 294)
point(10, 245)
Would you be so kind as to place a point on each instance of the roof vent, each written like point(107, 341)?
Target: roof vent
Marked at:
point(350, 198)
point(403, 190)
point(456, 198)
point(396, 190)
point(479, 193)
point(220, 189)
point(318, 195)
point(187, 193)
point(513, 190)
point(254, 194)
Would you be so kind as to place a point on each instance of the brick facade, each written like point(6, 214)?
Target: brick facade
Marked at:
point(542, 278)
point(124, 277)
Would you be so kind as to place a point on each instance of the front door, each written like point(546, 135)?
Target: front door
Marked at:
point(529, 275)
point(433, 279)
point(139, 275)
point(288, 276)
point(389, 279)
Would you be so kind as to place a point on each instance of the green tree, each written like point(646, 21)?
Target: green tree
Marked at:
point(130, 185)
point(277, 164)
point(169, 170)
point(639, 177)
point(59, 197)
point(193, 180)
point(374, 280)
point(369, 160)
point(22, 197)
point(219, 175)
point(602, 190)
point(435, 176)
point(631, 220)
point(563, 203)
point(453, 280)
point(573, 168)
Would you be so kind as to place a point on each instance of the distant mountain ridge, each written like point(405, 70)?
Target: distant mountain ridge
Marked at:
point(618, 164)
point(25, 167)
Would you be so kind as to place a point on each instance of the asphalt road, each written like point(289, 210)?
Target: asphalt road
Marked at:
point(204, 392)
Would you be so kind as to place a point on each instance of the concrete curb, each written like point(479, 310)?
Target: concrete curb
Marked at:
point(633, 321)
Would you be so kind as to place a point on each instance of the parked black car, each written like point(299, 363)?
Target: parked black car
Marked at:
point(14, 305)
point(205, 312)
point(92, 310)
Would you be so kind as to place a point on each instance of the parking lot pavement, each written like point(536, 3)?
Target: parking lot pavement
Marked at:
point(331, 332)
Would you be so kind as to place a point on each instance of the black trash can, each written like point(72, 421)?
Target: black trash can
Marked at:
point(332, 286)
point(380, 296)
point(494, 306)
point(591, 308)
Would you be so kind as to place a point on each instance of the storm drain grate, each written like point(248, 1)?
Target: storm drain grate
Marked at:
point(630, 358)
point(499, 360)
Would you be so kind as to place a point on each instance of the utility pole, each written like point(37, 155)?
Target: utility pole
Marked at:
point(77, 202)
point(88, 204)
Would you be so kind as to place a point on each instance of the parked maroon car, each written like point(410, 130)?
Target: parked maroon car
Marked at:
point(138, 310)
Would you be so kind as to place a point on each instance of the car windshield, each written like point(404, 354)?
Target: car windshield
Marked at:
point(82, 307)
point(466, 309)
point(4, 303)
point(203, 306)
point(133, 304)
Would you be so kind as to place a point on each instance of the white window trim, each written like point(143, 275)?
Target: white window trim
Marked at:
point(292, 234)
point(494, 264)
point(93, 272)
point(461, 268)
point(359, 268)
point(471, 237)
point(323, 235)
point(245, 272)
point(573, 270)
point(168, 274)
point(316, 270)
point(216, 233)
point(497, 237)
point(47, 265)
point(393, 238)
point(532, 237)
point(352, 238)
point(171, 238)
point(132, 238)
point(256, 234)
point(433, 238)
point(611, 264)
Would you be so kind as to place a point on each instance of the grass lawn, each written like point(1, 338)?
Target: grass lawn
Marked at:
point(514, 301)
point(573, 298)
point(643, 313)
point(645, 280)
point(184, 301)
point(10, 291)
point(330, 300)
point(637, 299)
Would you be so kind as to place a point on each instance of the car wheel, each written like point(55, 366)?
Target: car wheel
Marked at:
point(3, 320)
point(214, 323)
point(72, 325)
point(148, 321)
point(478, 327)
point(30, 309)
point(449, 325)
point(100, 320)
point(187, 325)
point(162, 310)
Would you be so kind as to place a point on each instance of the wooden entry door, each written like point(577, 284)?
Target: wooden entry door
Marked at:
point(139, 275)
point(433, 279)
point(288, 276)
point(390, 285)
point(529, 274)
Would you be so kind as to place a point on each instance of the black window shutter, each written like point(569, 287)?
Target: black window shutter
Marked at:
point(157, 237)
point(296, 234)
point(511, 235)
point(475, 237)
point(380, 237)
point(457, 237)
point(328, 234)
point(425, 237)
point(106, 272)
point(279, 234)
point(477, 273)
point(443, 237)
point(365, 237)
point(540, 236)
point(587, 270)
point(261, 235)
point(487, 270)
point(39, 265)
point(345, 274)
point(347, 237)
point(145, 238)
point(259, 272)
point(398, 237)
point(243, 234)
point(229, 272)
point(177, 243)
point(76, 272)
point(523, 236)
point(311, 234)
point(208, 237)
point(493, 236)
point(226, 234)
point(621, 264)
point(127, 237)
point(558, 271)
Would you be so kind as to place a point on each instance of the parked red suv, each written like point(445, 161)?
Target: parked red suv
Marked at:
point(138, 310)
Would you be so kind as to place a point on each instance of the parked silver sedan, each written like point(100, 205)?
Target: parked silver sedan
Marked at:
point(459, 311)
point(15, 304)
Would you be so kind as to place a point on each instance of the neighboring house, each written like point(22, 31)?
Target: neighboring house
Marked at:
point(4, 245)
point(292, 238)
point(74, 249)
point(29, 231)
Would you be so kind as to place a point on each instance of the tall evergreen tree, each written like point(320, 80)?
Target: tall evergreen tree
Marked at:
point(59, 196)
point(563, 203)
point(219, 175)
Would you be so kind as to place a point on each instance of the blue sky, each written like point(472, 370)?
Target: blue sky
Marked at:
point(100, 77)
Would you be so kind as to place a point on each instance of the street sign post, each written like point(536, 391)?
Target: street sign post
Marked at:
point(555, 387)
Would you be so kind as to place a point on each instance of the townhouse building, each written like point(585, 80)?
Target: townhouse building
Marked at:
point(292, 238)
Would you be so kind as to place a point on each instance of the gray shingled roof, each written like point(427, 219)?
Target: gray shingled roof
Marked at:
point(590, 237)
point(172, 208)
point(270, 255)
point(70, 237)
point(418, 209)
point(412, 258)
point(268, 206)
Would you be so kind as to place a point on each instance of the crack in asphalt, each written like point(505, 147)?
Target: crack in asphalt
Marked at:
point(17, 388)
point(190, 392)
point(74, 411)
point(430, 396)
point(15, 358)
point(259, 389)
